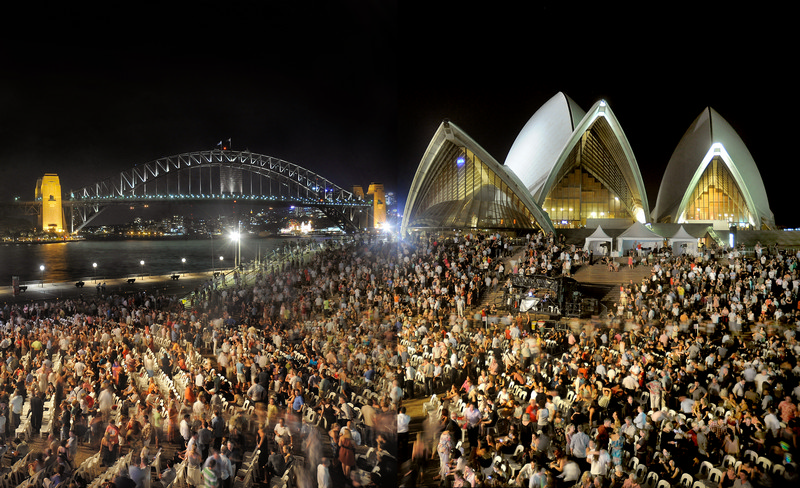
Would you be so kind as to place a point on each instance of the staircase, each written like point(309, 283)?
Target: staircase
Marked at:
point(600, 275)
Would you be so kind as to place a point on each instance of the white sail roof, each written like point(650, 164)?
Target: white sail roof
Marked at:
point(541, 141)
point(710, 135)
point(460, 185)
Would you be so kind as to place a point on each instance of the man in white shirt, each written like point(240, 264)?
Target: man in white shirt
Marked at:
point(403, 420)
point(105, 401)
point(281, 431)
point(354, 434)
point(185, 429)
point(771, 421)
point(527, 473)
point(630, 383)
point(599, 459)
point(324, 475)
point(15, 407)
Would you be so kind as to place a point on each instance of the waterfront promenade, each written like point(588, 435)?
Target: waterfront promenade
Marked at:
point(183, 286)
point(160, 284)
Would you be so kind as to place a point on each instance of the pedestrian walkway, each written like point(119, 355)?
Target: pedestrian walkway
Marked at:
point(182, 286)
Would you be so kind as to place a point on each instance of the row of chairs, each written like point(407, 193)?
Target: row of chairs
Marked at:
point(111, 473)
point(707, 475)
point(245, 475)
point(17, 474)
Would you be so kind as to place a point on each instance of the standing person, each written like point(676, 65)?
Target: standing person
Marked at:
point(218, 428)
point(37, 412)
point(615, 446)
point(276, 464)
point(578, 445)
point(410, 374)
point(420, 455)
point(444, 447)
point(223, 467)
point(66, 421)
point(158, 425)
point(185, 430)
point(473, 416)
point(105, 401)
point(173, 421)
point(262, 446)
point(205, 437)
point(323, 474)
point(137, 472)
point(105, 450)
point(147, 432)
point(113, 432)
point(15, 402)
point(210, 477)
point(368, 412)
point(347, 452)
point(428, 370)
point(403, 421)
point(2, 424)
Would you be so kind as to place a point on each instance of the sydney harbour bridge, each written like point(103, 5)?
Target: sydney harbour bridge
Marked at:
point(221, 176)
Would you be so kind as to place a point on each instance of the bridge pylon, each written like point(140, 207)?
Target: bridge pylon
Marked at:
point(48, 192)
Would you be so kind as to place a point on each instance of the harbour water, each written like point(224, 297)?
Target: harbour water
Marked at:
point(73, 261)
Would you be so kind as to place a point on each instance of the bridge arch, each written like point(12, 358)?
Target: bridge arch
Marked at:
point(217, 175)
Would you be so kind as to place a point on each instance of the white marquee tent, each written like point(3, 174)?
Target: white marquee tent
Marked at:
point(599, 242)
point(683, 243)
point(636, 234)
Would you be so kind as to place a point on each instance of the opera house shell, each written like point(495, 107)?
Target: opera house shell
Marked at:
point(458, 185)
point(568, 168)
point(578, 165)
point(712, 176)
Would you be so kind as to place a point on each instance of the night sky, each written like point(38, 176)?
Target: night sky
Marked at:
point(355, 90)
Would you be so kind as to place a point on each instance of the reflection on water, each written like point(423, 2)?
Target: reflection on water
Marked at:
point(71, 261)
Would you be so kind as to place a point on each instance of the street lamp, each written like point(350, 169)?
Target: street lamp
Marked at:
point(183, 262)
point(94, 267)
point(142, 264)
point(41, 281)
point(237, 258)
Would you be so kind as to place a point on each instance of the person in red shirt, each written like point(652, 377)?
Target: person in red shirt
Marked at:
point(113, 432)
point(531, 410)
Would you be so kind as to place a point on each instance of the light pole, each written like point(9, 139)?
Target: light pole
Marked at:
point(94, 268)
point(142, 265)
point(41, 281)
point(237, 257)
point(183, 262)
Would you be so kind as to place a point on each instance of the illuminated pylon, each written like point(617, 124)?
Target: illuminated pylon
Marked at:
point(378, 205)
point(48, 191)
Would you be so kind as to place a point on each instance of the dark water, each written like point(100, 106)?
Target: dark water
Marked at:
point(71, 261)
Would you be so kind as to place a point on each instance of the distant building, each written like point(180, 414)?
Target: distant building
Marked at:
point(48, 191)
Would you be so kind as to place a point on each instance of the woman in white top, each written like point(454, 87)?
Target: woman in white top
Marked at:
point(444, 447)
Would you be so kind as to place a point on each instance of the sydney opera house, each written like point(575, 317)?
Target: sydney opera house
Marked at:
point(570, 168)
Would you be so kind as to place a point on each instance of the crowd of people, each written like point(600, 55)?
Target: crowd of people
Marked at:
point(312, 362)
point(694, 368)
point(291, 360)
